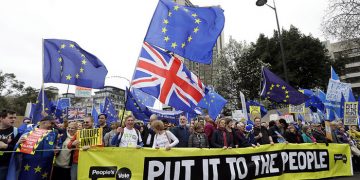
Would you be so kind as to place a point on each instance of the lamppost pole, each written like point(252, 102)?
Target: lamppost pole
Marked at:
point(261, 3)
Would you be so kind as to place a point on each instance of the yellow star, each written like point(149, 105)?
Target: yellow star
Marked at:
point(169, 14)
point(271, 88)
point(62, 46)
point(46, 109)
point(189, 38)
point(268, 93)
point(27, 167)
point(212, 100)
point(173, 45)
point(183, 45)
point(283, 87)
point(287, 96)
point(196, 29)
point(166, 21)
point(272, 85)
point(60, 59)
point(72, 45)
point(286, 92)
point(166, 38)
point(197, 21)
point(176, 7)
point(37, 101)
point(44, 176)
point(37, 169)
point(81, 70)
point(194, 15)
point(77, 76)
point(82, 55)
point(68, 77)
point(277, 85)
point(284, 100)
point(164, 30)
point(83, 61)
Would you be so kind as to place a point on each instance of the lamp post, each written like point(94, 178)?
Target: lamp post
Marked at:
point(262, 3)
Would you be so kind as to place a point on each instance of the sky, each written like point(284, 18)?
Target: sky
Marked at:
point(113, 30)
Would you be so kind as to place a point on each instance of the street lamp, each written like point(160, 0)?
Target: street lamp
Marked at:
point(262, 3)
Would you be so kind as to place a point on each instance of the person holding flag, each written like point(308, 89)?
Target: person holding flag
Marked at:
point(37, 166)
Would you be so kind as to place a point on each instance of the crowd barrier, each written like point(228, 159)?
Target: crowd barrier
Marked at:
point(279, 161)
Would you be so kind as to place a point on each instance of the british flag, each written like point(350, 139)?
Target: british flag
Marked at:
point(165, 77)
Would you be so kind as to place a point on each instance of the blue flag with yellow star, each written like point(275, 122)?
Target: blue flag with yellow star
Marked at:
point(66, 62)
point(95, 115)
point(213, 102)
point(140, 112)
point(109, 110)
point(190, 32)
point(276, 89)
point(37, 115)
point(142, 98)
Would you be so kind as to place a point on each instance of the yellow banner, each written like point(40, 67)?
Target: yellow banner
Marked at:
point(285, 161)
point(90, 137)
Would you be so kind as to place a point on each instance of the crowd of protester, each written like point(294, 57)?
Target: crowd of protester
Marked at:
point(202, 132)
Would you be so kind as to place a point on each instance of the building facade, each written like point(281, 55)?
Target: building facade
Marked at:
point(346, 50)
point(116, 95)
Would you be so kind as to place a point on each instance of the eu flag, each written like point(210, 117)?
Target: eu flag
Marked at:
point(37, 113)
point(278, 90)
point(95, 115)
point(213, 102)
point(190, 32)
point(143, 99)
point(63, 103)
point(140, 112)
point(66, 62)
point(109, 110)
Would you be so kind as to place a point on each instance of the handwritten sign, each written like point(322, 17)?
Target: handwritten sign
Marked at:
point(90, 137)
point(297, 109)
point(32, 141)
point(350, 113)
point(335, 89)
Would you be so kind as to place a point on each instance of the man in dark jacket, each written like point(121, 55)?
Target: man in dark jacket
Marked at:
point(261, 133)
point(182, 132)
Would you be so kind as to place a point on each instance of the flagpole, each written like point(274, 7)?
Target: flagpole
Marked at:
point(67, 91)
point(42, 85)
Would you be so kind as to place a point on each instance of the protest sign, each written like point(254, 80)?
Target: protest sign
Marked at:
point(74, 113)
point(90, 137)
point(82, 92)
point(274, 117)
point(238, 115)
point(279, 161)
point(350, 113)
point(328, 130)
point(243, 105)
point(297, 108)
point(335, 89)
point(255, 112)
point(32, 141)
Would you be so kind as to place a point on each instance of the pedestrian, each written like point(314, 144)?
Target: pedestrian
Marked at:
point(261, 132)
point(108, 136)
point(198, 138)
point(307, 135)
point(127, 136)
point(163, 138)
point(8, 138)
point(221, 138)
point(102, 124)
point(63, 159)
point(182, 132)
point(292, 135)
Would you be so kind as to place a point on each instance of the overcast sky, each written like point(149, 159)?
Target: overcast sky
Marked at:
point(113, 30)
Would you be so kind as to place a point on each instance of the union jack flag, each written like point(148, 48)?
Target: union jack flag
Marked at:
point(165, 77)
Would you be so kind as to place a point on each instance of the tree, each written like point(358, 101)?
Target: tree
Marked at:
point(9, 85)
point(342, 20)
point(237, 71)
point(307, 60)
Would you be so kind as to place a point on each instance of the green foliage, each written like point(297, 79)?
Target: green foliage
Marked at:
point(307, 60)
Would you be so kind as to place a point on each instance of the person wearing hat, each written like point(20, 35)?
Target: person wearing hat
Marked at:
point(37, 166)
